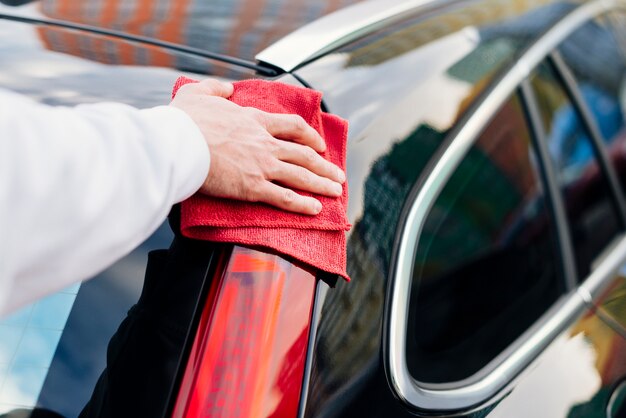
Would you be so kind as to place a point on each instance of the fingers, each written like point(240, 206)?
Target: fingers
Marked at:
point(306, 157)
point(294, 128)
point(247, 156)
point(215, 87)
point(300, 178)
point(287, 199)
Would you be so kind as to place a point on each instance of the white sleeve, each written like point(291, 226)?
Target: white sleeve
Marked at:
point(81, 187)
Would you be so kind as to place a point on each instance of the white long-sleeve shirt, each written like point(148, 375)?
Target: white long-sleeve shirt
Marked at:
point(81, 187)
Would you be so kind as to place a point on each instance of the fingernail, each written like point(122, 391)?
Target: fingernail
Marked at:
point(337, 188)
point(341, 175)
point(317, 207)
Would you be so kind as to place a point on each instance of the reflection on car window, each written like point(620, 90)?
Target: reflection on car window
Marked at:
point(599, 65)
point(28, 341)
point(487, 262)
point(590, 209)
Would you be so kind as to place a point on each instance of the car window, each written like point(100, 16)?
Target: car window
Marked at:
point(596, 55)
point(487, 263)
point(591, 213)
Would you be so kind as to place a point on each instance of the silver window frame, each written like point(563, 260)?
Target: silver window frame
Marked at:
point(499, 372)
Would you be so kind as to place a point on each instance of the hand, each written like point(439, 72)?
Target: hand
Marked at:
point(254, 153)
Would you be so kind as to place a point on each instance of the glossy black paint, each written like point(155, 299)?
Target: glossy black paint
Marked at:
point(79, 355)
point(404, 89)
point(396, 71)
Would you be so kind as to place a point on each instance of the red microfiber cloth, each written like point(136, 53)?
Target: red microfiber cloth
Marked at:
point(319, 240)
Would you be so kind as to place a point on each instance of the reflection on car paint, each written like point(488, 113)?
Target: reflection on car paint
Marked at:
point(238, 28)
point(578, 381)
point(388, 150)
point(399, 119)
point(395, 126)
point(59, 79)
point(611, 303)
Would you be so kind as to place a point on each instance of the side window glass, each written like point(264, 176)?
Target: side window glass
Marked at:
point(596, 55)
point(591, 213)
point(487, 263)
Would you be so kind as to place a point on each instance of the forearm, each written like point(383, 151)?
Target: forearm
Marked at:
point(82, 187)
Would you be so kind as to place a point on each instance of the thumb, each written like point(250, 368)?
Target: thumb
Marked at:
point(215, 87)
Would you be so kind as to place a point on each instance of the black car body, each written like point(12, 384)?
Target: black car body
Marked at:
point(486, 166)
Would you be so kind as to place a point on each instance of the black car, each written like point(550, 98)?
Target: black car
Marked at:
point(487, 167)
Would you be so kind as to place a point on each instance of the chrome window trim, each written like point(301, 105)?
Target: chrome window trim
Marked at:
point(336, 29)
point(612, 409)
point(607, 267)
point(467, 393)
point(595, 134)
point(552, 187)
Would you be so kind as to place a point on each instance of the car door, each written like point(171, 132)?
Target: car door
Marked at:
point(566, 360)
point(496, 255)
point(586, 362)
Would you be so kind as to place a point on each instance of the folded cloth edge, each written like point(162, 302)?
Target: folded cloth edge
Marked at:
point(334, 232)
point(336, 253)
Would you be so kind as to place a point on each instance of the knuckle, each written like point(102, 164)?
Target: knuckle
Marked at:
point(267, 163)
point(251, 193)
point(289, 197)
point(257, 115)
point(269, 168)
point(273, 145)
point(268, 140)
point(299, 124)
point(272, 171)
point(212, 84)
point(305, 178)
point(187, 88)
point(310, 156)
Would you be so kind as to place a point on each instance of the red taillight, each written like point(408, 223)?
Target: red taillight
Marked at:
point(249, 353)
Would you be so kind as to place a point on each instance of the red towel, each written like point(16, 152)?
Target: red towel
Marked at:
point(316, 240)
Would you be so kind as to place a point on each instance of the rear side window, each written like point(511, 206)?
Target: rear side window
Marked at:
point(596, 55)
point(591, 212)
point(487, 263)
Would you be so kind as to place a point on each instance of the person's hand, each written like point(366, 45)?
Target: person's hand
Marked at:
point(256, 156)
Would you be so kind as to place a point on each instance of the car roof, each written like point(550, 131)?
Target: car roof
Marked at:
point(262, 35)
point(340, 28)
point(231, 31)
point(348, 25)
